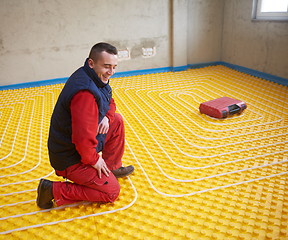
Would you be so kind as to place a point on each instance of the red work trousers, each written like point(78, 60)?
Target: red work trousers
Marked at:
point(86, 184)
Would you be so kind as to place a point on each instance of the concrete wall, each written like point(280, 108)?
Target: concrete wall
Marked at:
point(259, 45)
point(179, 27)
point(205, 19)
point(50, 39)
point(196, 31)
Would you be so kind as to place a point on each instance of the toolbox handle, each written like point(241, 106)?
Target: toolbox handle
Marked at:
point(234, 109)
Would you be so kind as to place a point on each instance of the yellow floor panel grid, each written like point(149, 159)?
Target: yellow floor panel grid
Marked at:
point(195, 177)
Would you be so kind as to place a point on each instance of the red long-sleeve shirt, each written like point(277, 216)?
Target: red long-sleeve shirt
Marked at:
point(84, 114)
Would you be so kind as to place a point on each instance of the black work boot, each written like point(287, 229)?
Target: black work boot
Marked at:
point(123, 171)
point(45, 194)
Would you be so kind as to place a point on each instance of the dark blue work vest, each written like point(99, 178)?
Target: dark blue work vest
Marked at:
point(62, 151)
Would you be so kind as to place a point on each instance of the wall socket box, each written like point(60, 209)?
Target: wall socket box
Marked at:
point(123, 54)
point(149, 52)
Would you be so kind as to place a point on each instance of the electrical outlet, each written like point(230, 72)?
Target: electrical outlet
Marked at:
point(148, 52)
point(123, 54)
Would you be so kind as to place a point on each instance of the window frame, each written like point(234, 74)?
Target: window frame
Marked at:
point(257, 15)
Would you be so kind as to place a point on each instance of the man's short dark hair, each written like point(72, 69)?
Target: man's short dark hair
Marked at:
point(102, 47)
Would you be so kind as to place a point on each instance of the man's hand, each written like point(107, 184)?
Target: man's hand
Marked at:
point(103, 126)
point(101, 166)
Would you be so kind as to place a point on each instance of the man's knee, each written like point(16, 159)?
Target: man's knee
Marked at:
point(117, 125)
point(118, 118)
point(111, 196)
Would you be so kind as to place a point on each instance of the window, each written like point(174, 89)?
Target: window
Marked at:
point(274, 10)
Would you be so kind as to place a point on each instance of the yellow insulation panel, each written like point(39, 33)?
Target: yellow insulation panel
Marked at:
point(195, 177)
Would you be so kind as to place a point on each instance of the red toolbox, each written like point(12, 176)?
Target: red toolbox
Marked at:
point(222, 107)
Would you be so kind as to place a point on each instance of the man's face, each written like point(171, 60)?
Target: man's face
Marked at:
point(104, 66)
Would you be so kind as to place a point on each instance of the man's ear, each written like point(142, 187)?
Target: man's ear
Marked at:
point(90, 63)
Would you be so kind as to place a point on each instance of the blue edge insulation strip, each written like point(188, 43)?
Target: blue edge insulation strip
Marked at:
point(272, 78)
